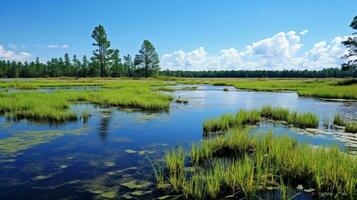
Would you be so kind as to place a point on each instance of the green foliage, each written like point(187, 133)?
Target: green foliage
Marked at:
point(351, 44)
point(103, 54)
point(55, 107)
point(338, 120)
point(242, 164)
point(147, 59)
point(303, 120)
point(223, 122)
point(351, 127)
point(244, 117)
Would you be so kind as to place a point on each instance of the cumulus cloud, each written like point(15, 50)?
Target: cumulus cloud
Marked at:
point(6, 54)
point(281, 51)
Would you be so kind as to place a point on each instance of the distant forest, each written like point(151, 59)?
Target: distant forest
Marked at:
point(324, 73)
point(74, 67)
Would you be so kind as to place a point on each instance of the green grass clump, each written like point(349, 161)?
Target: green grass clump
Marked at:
point(338, 120)
point(223, 122)
point(175, 162)
point(226, 121)
point(141, 98)
point(303, 120)
point(36, 106)
point(351, 127)
point(251, 117)
point(242, 165)
point(280, 114)
point(244, 117)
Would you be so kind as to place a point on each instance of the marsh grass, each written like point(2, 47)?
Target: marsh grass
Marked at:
point(280, 114)
point(85, 116)
point(55, 107)
point(175, 163)
point(338, 120)
point(321, 88)
point(221, 123)
point(241, 165)
point(351, 127)
point(303, 120)
point(35, 106)
point(251, 117)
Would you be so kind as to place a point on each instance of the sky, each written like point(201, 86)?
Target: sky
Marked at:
point(188, 35)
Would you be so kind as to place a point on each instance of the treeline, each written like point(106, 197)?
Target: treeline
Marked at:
point(83, 67)
point(324, 73)
point(70, 67)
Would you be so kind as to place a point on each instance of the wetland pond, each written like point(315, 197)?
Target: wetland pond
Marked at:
point(108, 157)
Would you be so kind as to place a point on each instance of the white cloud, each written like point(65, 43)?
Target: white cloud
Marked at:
point(13, 55)
point(303, 32)
point(12, 46)
point(281, 51)
point(56, 46)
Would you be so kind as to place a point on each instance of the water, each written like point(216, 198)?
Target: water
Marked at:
point(104, 157)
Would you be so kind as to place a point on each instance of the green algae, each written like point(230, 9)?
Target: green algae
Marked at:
point(109, 194)
point(13, 145)
point(164, 197)
point(136, 184)
point(63, 166)
point(41, 177)
point(126, 196)
point(109, 163)
point(130, 151)
point(100, 187)
point(140, 193)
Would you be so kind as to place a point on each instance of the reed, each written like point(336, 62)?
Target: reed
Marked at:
point(251, 117)
point(85, 116)
point(221, 123)
point(303, 120)
point(175, 161)
point(338, 120)
point(239, 165)
point(351, 127)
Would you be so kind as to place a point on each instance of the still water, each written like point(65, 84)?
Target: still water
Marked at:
point(109, 156)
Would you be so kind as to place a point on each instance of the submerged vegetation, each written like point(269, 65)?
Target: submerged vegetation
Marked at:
point(22, 141)
point(242, 165)
point(244, 117)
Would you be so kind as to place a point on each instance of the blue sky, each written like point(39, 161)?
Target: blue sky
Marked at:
point(187, 34)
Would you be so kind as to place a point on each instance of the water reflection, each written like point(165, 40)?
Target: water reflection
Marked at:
point(104, 124)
